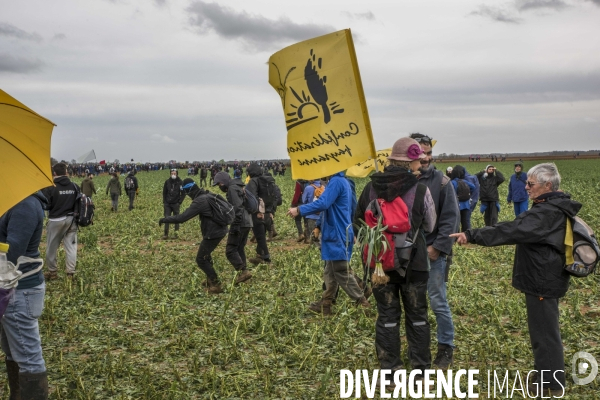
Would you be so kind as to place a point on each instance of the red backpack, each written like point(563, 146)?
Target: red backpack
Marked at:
point(396, 218)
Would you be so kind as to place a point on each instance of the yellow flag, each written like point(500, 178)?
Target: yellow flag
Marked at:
point(363, 169)
point(569, 243)
point(325, 111)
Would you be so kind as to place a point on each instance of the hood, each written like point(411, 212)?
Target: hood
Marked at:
point(458, 172)
point(62, 181)
point(237, 182)
point(254, 170)
point(392, 182)
point(38, 195)
point(561, 200)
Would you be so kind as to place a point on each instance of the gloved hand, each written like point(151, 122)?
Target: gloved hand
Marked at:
point(161, 221)
point(316, 233)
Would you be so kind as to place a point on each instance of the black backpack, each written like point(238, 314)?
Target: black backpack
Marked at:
point(267, 191)
point(129, 183)
point(463, 191)
point(222, 212)
point(83, 213)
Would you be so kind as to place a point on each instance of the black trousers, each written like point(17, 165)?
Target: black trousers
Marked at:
point(235, 249)
point(465, 219)
point(544, 333)
point(490, 215)
point(203, 182)
point(416, 323)
point(171, 209)
point(298, 221)
point(131, 195)
point(260, 233)
point(204, 258)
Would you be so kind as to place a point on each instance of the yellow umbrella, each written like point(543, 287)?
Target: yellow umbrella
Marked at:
point(363, 169)
point(24, 150)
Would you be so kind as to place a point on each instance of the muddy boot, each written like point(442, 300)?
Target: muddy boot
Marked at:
point(270, 236)
point(12, 370)
point(51, 275)
point(444, 357)
point(321, 307)
point(34, 386)
point(274, 231)
point(214, 287)
point(300, 238)
point(243, 276)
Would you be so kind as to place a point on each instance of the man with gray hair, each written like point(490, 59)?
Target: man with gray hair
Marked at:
point(538, 269)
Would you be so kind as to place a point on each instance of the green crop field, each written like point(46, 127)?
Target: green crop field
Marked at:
point(136, 324)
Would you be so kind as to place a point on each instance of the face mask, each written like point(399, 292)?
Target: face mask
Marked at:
point(173, 176)
point(223, 188)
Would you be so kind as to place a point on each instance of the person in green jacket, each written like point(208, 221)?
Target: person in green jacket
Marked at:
point(87, 186)
point(114, 187)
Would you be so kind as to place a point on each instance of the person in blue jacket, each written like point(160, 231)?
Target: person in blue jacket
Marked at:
point(310, 221)
point(337, 238)
point(458, 175)
point(516, 190)
point(475, 194)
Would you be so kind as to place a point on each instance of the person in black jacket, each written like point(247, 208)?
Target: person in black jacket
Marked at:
point(61, 226)
point(260, 221)
point(131, 180)
point(538, 269)
point(489, 180)
point(239, 228)
point(212, 232)
point(173, 196)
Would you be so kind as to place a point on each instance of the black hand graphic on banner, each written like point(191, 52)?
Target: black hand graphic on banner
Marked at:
point(316, 85)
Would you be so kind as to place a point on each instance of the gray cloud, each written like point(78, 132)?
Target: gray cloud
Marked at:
point(13, 31)
point(160, 3)
point(496, 14)
point(59, 36)
point(526, 5)
point(255, 30)
point(20, 65)
point(596, 2)
point(369, 16)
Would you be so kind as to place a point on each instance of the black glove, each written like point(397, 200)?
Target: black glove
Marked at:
point(161, 221)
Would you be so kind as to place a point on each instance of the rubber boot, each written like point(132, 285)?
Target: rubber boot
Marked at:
point(12, 370)
point(34, 386)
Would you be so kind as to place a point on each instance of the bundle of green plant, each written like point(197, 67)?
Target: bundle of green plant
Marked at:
point(373, 241)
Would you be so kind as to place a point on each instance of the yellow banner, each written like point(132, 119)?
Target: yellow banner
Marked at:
point(324, 105)
point(363, 169)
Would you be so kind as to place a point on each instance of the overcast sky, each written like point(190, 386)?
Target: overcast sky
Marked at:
point(187, 79)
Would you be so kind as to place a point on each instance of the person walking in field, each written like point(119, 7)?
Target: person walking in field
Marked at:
point(212, 232)
point(173, 196)
point(87, 186)
point(131, 187)
point(517, 192)
point(114, 188)
point(538, 269)
point(239, 228)
point(337, 204)
point(61, 226)
point(464, 191)
point(489, 180)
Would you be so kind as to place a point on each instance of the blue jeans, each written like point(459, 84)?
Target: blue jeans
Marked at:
point(20, 334)
point(521, 207)
point(436, 287)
